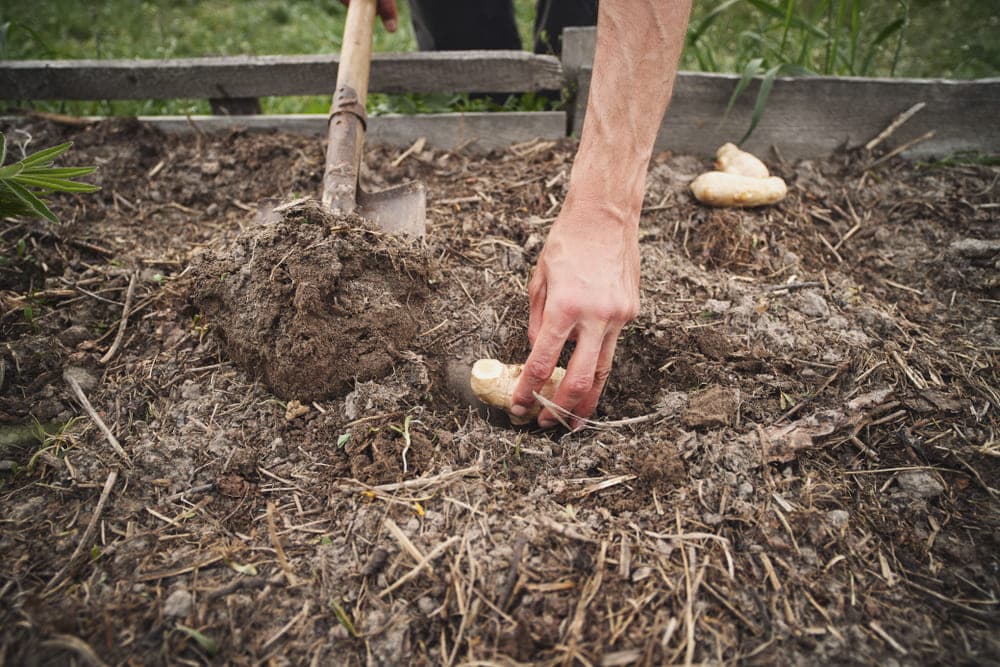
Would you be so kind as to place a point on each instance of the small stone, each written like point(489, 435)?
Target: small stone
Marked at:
point(920, 484)
point(745, 490)
point(718, 307)
point(711, 518)
point(83, 377)
point(74, 335)
point(811, 304)
point(178, 604)
point(190, 390)
point(426, 605)
point(975, 248)
point(7, 466)
point(210, 168)
point(838, 518)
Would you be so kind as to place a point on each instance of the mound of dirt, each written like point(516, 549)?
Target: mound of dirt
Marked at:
point(311, 302)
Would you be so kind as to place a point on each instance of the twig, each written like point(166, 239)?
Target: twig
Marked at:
point(510, 581)
point(88, 534)
point(404, 542)
point(899, 149)
point(78, 646)
point(419, 482)
point(565, 531)
point(424, 563)
point(279, 551)
point(792, 286)
point(561, 413)
point(288, 626)
point(805, 401)
point(896, 123)
point(94, 417)
point(888, 639)
point(123, 322)
point(416, 147)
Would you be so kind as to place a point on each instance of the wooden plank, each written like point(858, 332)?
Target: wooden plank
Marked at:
point(260, 76)
point(811, 116)
point(478, 132)
point(814, 116)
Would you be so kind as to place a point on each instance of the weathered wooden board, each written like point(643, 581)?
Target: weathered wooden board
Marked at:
point(813, 116)
point(475, 131)
point(259, 76)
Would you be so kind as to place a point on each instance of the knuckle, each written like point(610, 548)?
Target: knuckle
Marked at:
point(538, 369)
point(601, 376)
point(578, 386)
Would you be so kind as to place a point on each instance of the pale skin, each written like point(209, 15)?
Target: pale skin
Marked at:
point(585, 286)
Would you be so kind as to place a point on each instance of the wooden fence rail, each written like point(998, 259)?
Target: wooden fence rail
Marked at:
point(259, 76)
point(804, 117)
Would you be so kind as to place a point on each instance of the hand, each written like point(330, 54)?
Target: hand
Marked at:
point(386, 9)
point(585, 288)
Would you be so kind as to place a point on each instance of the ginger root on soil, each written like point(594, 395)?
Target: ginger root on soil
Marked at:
point(730, 159)
point(493, 383)
point(742, 180)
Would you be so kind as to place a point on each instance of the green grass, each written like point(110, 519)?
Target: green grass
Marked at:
point(918, 38)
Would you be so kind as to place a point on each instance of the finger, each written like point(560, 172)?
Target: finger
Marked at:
point(540, 364)
point(579, 379)
point(387, 10)
point(536, 305)
point(586, 407)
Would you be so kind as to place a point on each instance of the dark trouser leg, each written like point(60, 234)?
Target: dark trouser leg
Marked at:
point(554, 15)
point(454, 25)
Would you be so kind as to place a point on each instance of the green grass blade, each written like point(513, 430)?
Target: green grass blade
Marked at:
point(46, 156)
point(761, 102)
point(54, 184)
point(706, 22)
point(855, 34)
point(899, 41)
point(207, 644)
point(789, 8)
point(60, 172)
point(776, 12)
point(10, 171)
point(749, 72)
point(884, 34)
point(31, 201)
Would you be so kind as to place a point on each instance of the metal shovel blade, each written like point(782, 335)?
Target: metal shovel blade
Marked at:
point(401, 209)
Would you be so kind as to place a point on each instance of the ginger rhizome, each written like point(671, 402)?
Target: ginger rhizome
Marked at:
point(741, 180)
point(493, 383)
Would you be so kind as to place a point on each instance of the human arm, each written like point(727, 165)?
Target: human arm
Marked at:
point(585, 286)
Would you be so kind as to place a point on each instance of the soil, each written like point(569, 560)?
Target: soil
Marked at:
point(302, 290)
point(799, 464)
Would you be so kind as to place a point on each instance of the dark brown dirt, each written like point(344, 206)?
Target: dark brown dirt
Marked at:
point(812, 477)
point(312, 303)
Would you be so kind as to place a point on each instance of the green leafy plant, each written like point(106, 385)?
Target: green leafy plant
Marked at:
point(794, 37)
point(24, 185)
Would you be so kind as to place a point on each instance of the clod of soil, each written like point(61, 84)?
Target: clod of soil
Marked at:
point(310, 302)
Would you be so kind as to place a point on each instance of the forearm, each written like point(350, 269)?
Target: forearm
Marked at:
point(638, 46)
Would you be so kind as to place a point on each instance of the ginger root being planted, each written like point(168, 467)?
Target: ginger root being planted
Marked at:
point(742, 180)
point(493, 383)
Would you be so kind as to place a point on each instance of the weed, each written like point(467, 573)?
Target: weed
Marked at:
point(24, 185)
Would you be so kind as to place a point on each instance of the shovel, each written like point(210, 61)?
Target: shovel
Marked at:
point(401, 209)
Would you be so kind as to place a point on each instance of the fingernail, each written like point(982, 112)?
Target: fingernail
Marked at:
point(390, 25)
point(518, 410)
point(547, 423)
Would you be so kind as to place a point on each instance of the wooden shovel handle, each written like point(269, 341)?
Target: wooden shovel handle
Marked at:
point(356, 51)
point(346, 132)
